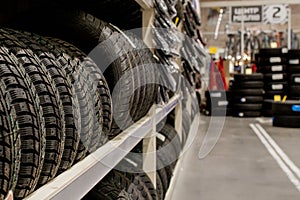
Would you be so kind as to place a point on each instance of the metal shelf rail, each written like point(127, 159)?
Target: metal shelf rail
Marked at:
point(82, 177)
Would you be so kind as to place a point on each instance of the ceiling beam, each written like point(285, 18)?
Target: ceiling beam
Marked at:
point(214, 4)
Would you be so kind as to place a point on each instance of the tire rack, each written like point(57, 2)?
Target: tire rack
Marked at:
point(83, 176)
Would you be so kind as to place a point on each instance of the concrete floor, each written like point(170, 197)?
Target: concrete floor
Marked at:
point(239, 167)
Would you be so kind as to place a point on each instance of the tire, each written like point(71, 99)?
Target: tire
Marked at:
point(287, 108)
point(50, 102)
point(271, 59)
point(295, 79)
point(271, 94)
point(276, 86)
point(117, 186)
point(248, 92)
point(172, 137)
point(293, 69)
point(83, 97)
point(243, 114)
point(252, 77)
point(133, 165)
point(103, 100)
point(247, 107)
point(31, 124)
point(66, 93)
point(248, 85)
point(272, 51)
point(10, 143)
point(275, 77)
point(294, 90)
point(272, 69)
point(248, 99)
point(286, 121)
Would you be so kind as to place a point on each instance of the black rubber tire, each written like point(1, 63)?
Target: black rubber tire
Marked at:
point(10, 143)
point(171, 137)
point(243, 114)
point(50, 102)
point(99, 85)
point(31, 124)
point(267, 108)
point(133, 165)
point(66, 93)
point(271, 59)
point(286, 121)
point(248, 92)
point(271, 51)
point(245, 77)
point(295, 79)
point(287, 108)
point(247, 85)
point(272, 69)
point(293, 69)
point(247, 107)
point(294, 90)
point(276, 86)
point(271, 94)
point(116, 186)
point(248, 99)
point(275, 78)
point(83, 98)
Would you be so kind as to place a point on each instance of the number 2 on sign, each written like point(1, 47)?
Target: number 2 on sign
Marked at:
point(276, 13)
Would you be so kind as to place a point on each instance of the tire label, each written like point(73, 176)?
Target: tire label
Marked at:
point(277, 77)
point(277, 87)
point(216, 95)
point(222, 103)
point(294, 61)
point(297, 80)
point(277, 68)
point(275, 59)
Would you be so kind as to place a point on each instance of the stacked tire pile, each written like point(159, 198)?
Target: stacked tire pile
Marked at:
point(272, 63)
point(286, 114)
point(217, 103)
point(293, 70)
point(247, 95)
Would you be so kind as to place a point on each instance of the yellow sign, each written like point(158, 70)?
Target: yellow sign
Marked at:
point(213, 50)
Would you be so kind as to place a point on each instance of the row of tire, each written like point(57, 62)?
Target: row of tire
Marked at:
point(56, 105)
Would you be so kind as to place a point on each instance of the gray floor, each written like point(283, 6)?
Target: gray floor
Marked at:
point(239, 167)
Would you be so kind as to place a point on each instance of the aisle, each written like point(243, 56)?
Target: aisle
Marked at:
point(239, 167)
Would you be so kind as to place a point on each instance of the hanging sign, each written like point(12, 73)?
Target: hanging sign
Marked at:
point(276, 14)
point(251, 14)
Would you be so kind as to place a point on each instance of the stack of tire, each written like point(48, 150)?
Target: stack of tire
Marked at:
point(247, 95)
point(272, 63)
point(217, 103)
point(286, 114)
point(294, 74)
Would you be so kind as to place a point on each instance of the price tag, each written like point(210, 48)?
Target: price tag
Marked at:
point(277, 77)
point(277, 68)
point(275, 59)
point(277, 87)
point(294, 61)
point(297, 80)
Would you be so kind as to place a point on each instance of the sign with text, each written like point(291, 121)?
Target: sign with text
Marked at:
point(276, 14)
point(252, 14)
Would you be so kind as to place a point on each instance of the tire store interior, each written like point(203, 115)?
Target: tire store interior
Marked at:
point(150, 99)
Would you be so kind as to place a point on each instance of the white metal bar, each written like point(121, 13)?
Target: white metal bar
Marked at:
point(82, 177)
point(213, 4)
point(242, 41)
